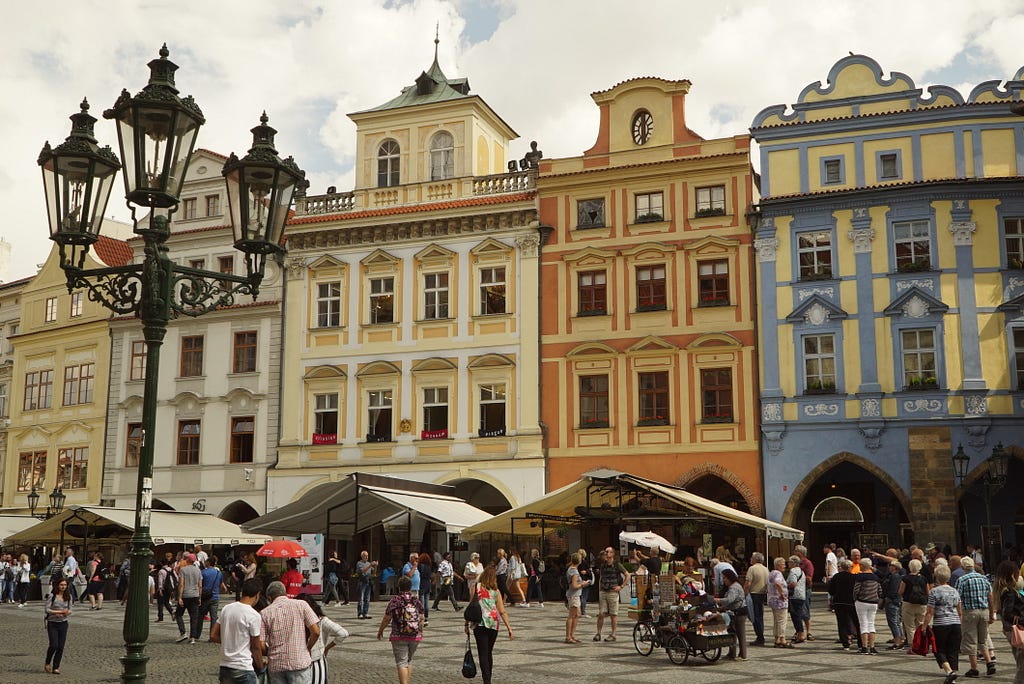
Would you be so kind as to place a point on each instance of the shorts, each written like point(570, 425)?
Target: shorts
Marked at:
point(403, 651)
point(975, 631)
point(573, 601)
point(608, 602)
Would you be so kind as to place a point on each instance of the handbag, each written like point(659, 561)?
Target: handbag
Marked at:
point(473, 612)
point(1017, 636)
point(924, 640)
point(468, 664)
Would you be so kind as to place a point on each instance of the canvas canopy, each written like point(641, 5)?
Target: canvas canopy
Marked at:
point(602, 494)
point(166, 527)
point(361, 501)
point(11, 524)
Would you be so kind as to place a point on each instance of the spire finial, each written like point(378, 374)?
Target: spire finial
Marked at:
point(437, 39)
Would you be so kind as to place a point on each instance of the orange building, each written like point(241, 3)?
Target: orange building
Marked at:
point(647, 305)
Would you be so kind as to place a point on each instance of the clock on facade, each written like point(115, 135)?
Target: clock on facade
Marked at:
point(643, 126)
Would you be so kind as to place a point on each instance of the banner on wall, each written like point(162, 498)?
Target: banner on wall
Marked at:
point(312, 565)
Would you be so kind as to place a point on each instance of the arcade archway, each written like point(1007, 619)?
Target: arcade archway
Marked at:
point(238, 512)
point(481, 494)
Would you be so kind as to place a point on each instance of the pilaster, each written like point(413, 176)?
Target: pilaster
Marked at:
point(933, 511)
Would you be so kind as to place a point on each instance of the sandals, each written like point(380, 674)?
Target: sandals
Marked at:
point(784, 645)
point(610, 637)
point(810, 637)
point(797, 641)
point(572, 641)
point(47, 668)
point(597, 637)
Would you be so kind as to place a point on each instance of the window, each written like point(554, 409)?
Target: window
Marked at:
point(1018, 355)
point(77, 303)
point(650, 288)
point(912, 241)
point(226, 265)
point(382, 300)
point(716, 395)
point(492, 410)
point(191, 356)
point(918, 350)
point(642, 127)
point(713, 283)
point(133, 445)
point(325, 419)
point(78, 384)
point(379, 416)
point(590, 213)
point(711, 201)
point(1013, 234)
point(832, 171)
point(188, 208)
point(888, 165)
point(213, 205)
point(388, 164)
point(245, 352)
point(15, 329)
point(442, 156)
point(328, 305)
point(653, 394)
point(819, 364)
point(38, 390)
point(649, 207)
point(492, 290)
point(243, 442)
point(593, 293)
point(3, 400)
point(72, 467)
point(594, 401)
point(51, 310)
point(435, 413)
point(197, 263)
point(435, 296)
point(814, 252)
point(138, 361)
point(188, 442)
point(31, 470)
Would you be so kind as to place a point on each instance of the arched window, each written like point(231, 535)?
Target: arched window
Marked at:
point(442, 156)
point(388, 164)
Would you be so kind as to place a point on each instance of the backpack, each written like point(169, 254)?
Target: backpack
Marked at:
point(409, 621)
point(540, 566)
point(170, 587)
point(917, 593)
point(9, 574)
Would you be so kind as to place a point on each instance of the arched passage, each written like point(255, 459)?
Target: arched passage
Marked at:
point(481, 494)
point(849, 501)
point(159, 505)
point(1005, 506)
point(712, 481)
point(238, 512)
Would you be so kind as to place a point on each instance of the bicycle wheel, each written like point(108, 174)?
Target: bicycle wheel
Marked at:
point(678, 650)
point(712, 654)
point(643, 638)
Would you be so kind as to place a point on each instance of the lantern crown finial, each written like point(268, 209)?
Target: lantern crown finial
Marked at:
point(161, 71)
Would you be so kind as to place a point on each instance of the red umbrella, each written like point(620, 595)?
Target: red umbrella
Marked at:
point(282, 548)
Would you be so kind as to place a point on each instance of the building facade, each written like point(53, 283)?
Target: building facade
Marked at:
point(57, 389)
point(411, 327)
point(647, 326)
point(219, 383)
point(889, 269)
point(10, 326)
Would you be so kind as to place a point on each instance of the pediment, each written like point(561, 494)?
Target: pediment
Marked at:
point(33, 436)
point(490, 248)
point(379, 368)
point(589, 256)
point(652, 343)
point(242, 400)
point(592, 349)
point(816, 310)
point(649, 250)
point(73, 431)
point(1014, 304)
point(378, 258)
point(434, 363)
point(324, 372)
point(436, 254)
point(712, 245)
point(326, 263)
point(491, 361)
point(916, 303)
point(715, 340)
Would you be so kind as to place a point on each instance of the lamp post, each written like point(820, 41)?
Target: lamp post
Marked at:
point(156, 131)
point(55, 505)
point(991, 481)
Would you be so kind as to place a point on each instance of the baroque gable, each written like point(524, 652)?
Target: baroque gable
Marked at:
point(816, 310)
point(916, 303)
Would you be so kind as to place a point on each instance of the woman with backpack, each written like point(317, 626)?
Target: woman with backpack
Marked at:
point(97, 581)
point(404, 613)
point(914, 590)
point(330, 634)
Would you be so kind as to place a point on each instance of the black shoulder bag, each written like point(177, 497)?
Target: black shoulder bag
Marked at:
point(468, 664)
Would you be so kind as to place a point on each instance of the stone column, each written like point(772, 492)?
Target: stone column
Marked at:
point(932, 489)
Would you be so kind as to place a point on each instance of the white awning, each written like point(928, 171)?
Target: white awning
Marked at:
point(452, 512)
point(12, 524)
point(166, 527)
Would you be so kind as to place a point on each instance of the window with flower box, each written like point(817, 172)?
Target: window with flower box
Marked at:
point(653, 396)
point(650, 288)
point(325, 418)
point(710, 201)
point(593, 293)
point(716, 395)
point(649, 207)
point(713, 282)
point(594, 401)
point(819, 364)
point(918, 353)
point(913, 246)
point(435, 413)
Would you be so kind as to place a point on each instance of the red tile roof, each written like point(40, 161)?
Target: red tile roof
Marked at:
point(112, 252)
point(868, 115)
point(211, 152)
point(641, 78)
point(411, 209)
point(898, 185)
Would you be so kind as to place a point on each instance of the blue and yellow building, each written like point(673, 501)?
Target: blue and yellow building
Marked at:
point(891, 291)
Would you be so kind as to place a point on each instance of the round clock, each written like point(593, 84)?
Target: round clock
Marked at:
point(643, 126)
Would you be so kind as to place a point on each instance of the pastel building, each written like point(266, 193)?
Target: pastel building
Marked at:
point(410, 344)
point(889, 256)
point(647, 318)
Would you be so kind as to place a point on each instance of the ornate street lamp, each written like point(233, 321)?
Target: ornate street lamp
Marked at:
point(157, 131)
point(33, 501)
point(55, 506)
point(990, 482)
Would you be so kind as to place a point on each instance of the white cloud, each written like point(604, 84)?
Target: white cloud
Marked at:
point(310, 63)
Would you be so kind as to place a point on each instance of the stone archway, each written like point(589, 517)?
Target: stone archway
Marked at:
point(705, 469)
point(796, 500)
point(238, 512)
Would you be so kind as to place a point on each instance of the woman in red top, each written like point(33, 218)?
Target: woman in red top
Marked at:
point(292, 578)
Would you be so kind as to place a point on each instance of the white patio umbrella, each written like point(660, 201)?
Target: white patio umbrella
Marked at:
point(647, 540)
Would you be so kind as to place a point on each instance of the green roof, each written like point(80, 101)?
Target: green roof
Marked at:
point(431, 86)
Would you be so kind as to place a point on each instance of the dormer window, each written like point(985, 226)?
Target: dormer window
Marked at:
point(388, 164)
point(442, 156)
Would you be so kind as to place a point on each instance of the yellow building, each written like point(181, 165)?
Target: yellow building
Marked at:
point(890, 249)
point(411, 325)
point(58, 389)
point(648, 311)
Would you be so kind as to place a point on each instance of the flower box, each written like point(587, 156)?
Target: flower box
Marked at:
point(496, 432)
point(653, 420)
point(717, 418)
point(587, 424)
point(434, 434)
point(649, 218)
point(710, 211)
point(325, 438)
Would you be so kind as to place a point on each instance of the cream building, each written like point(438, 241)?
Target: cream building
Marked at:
point(217, 410)
point(411, 342)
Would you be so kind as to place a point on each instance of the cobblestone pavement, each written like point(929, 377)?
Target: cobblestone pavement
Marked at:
point(537, 655)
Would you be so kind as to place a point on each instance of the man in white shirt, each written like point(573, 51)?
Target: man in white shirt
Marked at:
point(201, 556)
point(238, 630)
point(70, 570)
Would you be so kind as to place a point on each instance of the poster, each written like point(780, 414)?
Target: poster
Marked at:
point(706, 548)
point(311, 566)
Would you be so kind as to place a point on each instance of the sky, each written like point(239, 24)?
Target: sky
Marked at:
point(309, 63)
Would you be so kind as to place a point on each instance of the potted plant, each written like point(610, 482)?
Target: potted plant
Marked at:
point(652, 420)
point(922, 382)
point(819, 273)
point(710, 211)
point(594, 423)
point(649, 217)
point(717, 417)
point(820, 387)
point(915, 266)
